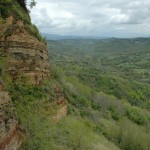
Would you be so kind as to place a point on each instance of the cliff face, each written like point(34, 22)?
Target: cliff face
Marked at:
point(27, 63)
point(28, 56)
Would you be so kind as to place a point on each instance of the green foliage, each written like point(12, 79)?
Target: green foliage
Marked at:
point(126, 134)
point(115, 112)
point(101, 85)
point(12, 8)
point(76, 134)
point(22, 3)
point(35, 112)
point(111, 66)
point(3, 7)
point(31, 104)
point(136, 115)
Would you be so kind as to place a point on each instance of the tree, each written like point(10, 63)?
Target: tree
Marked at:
point(32, 3)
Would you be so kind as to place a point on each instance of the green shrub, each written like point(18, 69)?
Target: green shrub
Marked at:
point(133, 137)
point(135, 114)
point(126, 134)
point(115, 112)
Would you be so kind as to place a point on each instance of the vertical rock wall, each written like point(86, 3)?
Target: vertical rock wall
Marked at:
point(28, 56)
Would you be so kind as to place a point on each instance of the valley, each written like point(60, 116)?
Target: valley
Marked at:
point(107, 82)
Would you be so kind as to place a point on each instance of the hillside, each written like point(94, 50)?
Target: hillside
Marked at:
point(107, 82)
point(120, 67)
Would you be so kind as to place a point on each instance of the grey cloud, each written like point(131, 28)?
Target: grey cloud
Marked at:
point(137, 11)
point(113, 17)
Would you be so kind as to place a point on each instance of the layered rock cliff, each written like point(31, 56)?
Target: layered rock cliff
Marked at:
point(27, 63)
point(28, 56)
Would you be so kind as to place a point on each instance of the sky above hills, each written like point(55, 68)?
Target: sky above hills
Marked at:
point(104, 18)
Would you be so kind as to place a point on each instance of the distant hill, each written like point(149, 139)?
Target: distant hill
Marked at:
point(64, 37)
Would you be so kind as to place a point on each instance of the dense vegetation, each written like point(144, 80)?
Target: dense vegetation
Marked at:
point(107, 82)
point(116, 67)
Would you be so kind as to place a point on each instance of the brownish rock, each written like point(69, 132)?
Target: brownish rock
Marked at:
point(28, 57)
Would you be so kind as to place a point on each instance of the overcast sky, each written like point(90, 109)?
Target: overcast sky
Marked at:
point(117, 18)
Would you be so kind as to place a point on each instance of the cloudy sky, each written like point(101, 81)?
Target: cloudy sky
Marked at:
point(117, 18)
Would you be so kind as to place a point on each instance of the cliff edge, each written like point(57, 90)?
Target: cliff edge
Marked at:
point(24, 59)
